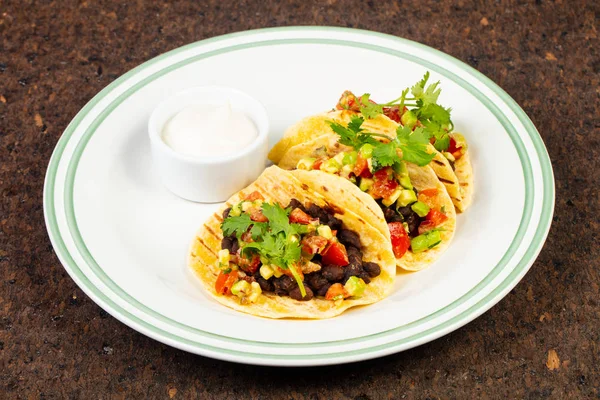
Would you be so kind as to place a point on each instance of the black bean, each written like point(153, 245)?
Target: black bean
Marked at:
point(297, 295)
point(235, 246)
point(286, 283)
point(353, 251)
point(265, 284)
point(315, 280)
point(349, 238)
point(405, 211)
point(323, 291)
point(413, 222)
point(365, 277)
point(317, 212)
point(371, 268)
point(226, 212)
point(227, 243)
point(353, 270)
point(332, 273)
point(294, 203)
point(334, 223)
point(249, 279)
point(280, 292)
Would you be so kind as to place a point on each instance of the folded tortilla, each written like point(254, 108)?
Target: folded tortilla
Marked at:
point(281, 186)
point(422, 178)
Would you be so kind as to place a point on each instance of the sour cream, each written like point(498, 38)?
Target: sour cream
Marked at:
point(207, 131)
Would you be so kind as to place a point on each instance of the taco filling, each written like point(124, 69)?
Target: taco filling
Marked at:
point(297, 250)
point(379, 168)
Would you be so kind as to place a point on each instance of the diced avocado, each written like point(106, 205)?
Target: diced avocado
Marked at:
point(236, 210)
point(255, 291)
point(409, 119)
point(331, 166)
point(266, 272)
point(365, 184)
point(240, 288)
point(400, 168)
point(224, 258)
point(406, 197)
point(388, 201)
point(355, 286)
point(350, 158)
point(366, 151)
point(306, 163)
point(420, 208)
point(325, 231)
point(425, 241)
point(405, 182)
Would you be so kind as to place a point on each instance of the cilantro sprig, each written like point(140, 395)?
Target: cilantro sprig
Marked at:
point(435, 118)
point(408, 145)
point(276, 241)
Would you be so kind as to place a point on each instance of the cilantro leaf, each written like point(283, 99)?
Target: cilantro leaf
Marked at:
point(369, 109)
point(352, 135)
point(385, 155)
point(278, 218)
point(413, 145)
point(258, 230)
point(236, 225)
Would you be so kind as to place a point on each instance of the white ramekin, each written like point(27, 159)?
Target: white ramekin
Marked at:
point(214, 179)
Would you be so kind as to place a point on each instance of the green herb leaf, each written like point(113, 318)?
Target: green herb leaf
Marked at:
point(236, 225)
point(368, 109)
point(385, 155)
point(413, 145)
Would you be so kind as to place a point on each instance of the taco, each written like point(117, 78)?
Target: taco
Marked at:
point(422, 110)
point(398, 196)
point(279, 250)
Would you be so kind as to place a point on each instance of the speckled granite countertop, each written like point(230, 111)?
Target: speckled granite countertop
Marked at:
point(541, 341)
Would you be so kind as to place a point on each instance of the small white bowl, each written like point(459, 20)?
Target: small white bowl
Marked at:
point(212, 179)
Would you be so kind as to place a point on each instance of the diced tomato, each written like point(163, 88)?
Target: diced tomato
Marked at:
point(452, 147)
point(249, 265)
point(318, 163)
point(256, 215)
point(428, 196)
point(335, 290)
point(313, 244)
point(437, 217)
point(400, 240)
point(254, 196)
point(225, 282)
point(457, 154)
point(361, 168)
point(384, 184)
point(348, 101)
point(425, 226)
point(392, 113)
point(297, 216)
point(335, 254)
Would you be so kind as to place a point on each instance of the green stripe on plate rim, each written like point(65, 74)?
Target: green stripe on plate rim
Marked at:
point(531, 252)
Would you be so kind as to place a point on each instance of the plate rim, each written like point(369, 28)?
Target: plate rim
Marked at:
point(527, 259)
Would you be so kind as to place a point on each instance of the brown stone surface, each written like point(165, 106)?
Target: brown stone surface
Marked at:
point(541, 341)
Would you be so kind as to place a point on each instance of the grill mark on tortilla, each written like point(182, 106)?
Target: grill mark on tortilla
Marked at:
point(446, 181)
point(206, 247)
point(209, 229)
point(464, 184)
point(304, 186)
point(325, 188)
point(439, 162)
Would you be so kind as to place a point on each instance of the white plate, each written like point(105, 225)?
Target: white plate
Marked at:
point(123, 237)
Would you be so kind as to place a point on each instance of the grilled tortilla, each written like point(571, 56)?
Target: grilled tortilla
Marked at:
point(280, 187)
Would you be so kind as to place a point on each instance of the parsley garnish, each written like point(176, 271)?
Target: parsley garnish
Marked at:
point(435, 119)
point(276, 241)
